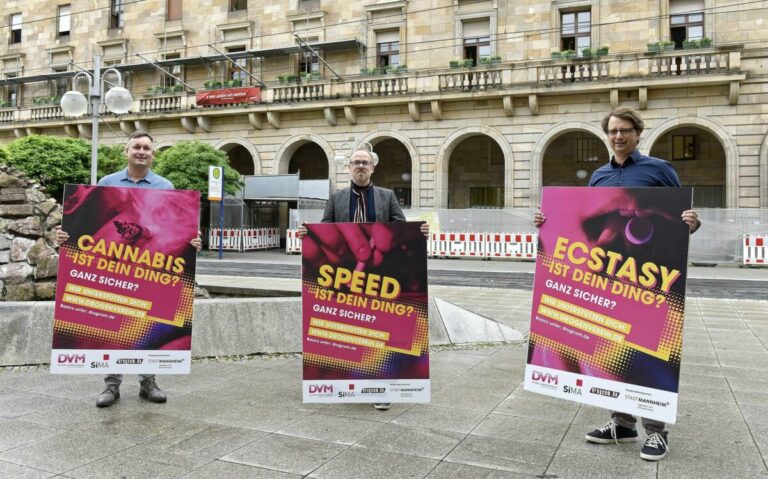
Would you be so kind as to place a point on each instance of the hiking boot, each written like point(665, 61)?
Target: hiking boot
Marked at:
point(655, 447)
point(612, 432)
point(109, 396)
point(382, 406)
point(151, 392)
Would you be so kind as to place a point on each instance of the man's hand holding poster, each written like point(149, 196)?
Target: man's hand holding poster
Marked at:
point(609, 296)
point(126, 281)
point(365, 321)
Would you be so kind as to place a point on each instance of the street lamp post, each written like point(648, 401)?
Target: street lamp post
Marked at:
point(117, 99)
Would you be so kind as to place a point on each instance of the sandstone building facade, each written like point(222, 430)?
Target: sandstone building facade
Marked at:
point(469, 103)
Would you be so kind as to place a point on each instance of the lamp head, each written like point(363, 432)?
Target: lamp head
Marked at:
point(74, 103)
point(118, 100)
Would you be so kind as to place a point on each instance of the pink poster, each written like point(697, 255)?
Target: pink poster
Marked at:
point(609, 297)
point(125, 285)
point(365, 319)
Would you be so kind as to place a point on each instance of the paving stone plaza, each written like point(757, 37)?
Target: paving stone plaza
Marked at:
point(244, 417)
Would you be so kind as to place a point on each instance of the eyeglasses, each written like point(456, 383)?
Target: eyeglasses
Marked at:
point(623, 131)
point(364, 163)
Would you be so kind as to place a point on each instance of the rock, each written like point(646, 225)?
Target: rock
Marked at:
point(47, 267)
point(20, 292)
point(20, 248)
point(46, 290)
point(16, 210)
point(201, 292)
point(5, 257)
point(46, 206)
point(5, 243)
point(4, 225)
point(53, 219)
point(16, 273)
point(12, 195)
point(50, 237)
point(40, 249)
point(27, 227)
point(8, 181)
point(34, 196)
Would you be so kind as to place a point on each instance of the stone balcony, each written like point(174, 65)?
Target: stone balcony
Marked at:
point(623, 71)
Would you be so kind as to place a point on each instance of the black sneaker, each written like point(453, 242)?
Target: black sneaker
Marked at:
point(655, 447)
point(612, 432)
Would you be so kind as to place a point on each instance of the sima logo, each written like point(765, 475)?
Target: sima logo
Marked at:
point(544, 377)
point(71, 359)
point(321, 389)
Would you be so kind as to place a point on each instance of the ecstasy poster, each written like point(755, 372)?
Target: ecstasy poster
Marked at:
point(365, 313)
point(125, 286)
point(609, 297)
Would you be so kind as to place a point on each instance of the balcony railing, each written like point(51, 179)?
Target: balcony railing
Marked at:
point(385, 86)
point(471, 80)
point(302, 92)
point(515, 78)
point(46, 112)
point(167, 102)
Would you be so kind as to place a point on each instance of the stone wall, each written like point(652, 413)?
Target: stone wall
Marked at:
point(28, 260)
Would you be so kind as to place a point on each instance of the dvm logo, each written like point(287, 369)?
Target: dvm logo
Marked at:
point(545, 378)
point(71, 359)
point(321, 389)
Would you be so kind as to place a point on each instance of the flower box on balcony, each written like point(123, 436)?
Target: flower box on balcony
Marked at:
point(602, 51)
point(705, 42)
point(691, 44)
point(587, 53)
point(556, 55)
point(454, 64)
point(568, 54)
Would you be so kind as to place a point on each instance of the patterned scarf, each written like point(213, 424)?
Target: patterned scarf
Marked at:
point(361, 195)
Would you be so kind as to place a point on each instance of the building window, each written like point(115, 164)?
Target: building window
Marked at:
point(116, 13)
point(11, 91)
point(64, 19)
point(576, 30)
point(486, 197)
point(477, 39)
point(237, 71)
point(61, 84)
point(683, 147)
point(168, 81)
point(15, 28)
point(309, 4)
point(237, 5)
point(686, 26)
point(173, 10)
point(308, 63)
point(388, 48)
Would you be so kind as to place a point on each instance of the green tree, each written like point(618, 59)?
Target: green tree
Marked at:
point(186, 166)
point(3, 155)
point(52, 160)
point(111, 159)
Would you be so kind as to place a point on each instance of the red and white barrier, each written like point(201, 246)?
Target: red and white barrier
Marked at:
point(511, 245)
point(232, 239)
point(756, 250)
point(292, 242)
point(456, 245)
point(260, 238)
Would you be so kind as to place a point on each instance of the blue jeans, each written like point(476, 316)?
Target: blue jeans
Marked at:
point(116, 379)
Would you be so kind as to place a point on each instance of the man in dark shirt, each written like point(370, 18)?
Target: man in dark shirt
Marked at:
point(628, 167)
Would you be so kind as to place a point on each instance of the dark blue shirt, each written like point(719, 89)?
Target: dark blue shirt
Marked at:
point(637, 170)
point(150, 180)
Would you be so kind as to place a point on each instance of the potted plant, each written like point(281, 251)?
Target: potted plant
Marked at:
point(587, 53)
point(454, 63)
point(468, 63)
point(690, 44)
point(666, 45)
point(484, 61)
point(237, 82)
point(602, 51)
point(314, 76)
point(556, 55)
point(705, 42)
point(402, 68)
point(654, 47)
point(4, 104)
point(178, 88)
point(216, 85)
point(391, 70)
point(568, 53)
point(495, 60)
point(159, 90)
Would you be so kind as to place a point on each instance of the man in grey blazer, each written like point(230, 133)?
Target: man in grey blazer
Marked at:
point(362, 202)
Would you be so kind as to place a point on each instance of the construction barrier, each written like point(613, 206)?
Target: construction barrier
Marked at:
point(755, 249)
point(232, 237)
point(511, 245)
point(292, 242)
point(456, 245)
point(260, 238)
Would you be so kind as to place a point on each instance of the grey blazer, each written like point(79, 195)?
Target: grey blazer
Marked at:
point(384, 201)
